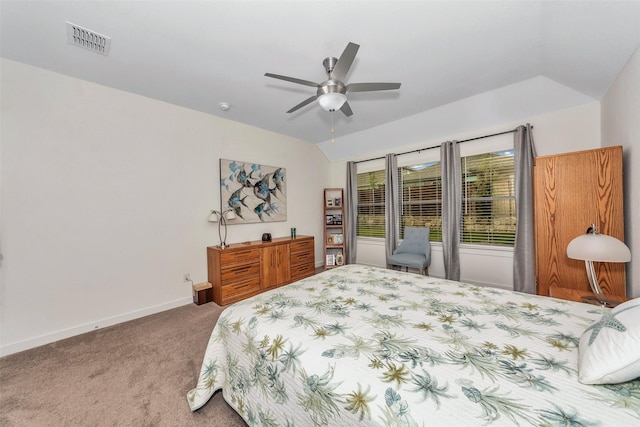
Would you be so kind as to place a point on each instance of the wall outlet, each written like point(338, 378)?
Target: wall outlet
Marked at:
point(186, 277)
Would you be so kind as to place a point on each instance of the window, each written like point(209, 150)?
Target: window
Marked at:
point(488, 199)
point(421, 192)
point(371, 204)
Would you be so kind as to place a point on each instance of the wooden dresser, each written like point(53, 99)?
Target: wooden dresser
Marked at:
point(245, 269)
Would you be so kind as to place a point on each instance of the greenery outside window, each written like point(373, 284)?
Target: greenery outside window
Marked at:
point(488, 199)
point(371, 204)
point(421, 192)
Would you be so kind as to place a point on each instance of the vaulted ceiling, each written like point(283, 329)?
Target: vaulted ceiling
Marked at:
point(198, 54)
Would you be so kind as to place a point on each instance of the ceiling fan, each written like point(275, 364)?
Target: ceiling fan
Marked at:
point(331, 93)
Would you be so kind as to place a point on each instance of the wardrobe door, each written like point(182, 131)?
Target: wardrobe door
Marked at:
point(571, 192)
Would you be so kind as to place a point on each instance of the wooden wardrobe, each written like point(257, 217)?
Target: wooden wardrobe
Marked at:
point(571, 192)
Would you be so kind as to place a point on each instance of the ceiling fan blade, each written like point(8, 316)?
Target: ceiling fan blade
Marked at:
point(368, 87)
point(303, 103)
point(346, 109)
point(292, 79)
point(344, 62)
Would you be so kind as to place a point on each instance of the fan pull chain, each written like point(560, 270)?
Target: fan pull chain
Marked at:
point(333, 140)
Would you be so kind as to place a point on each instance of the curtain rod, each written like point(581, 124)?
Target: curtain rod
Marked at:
point(438, 146)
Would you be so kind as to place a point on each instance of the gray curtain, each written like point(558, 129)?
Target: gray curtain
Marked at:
point(451, 207)
point(391, 203)
point(524, 279)
point(351, 214)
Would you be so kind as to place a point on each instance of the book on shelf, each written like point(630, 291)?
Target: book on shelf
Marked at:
point(330, 260)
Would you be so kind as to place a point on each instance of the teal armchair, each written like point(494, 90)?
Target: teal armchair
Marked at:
point(414, 251)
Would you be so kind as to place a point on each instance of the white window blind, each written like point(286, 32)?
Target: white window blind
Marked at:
point(371, 208)
point(488, 204)
point(488, 198)
point(421, 193)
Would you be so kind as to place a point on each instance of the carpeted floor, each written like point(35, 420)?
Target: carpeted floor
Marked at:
point(133, 374)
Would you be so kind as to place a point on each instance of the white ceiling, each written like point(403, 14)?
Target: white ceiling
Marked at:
point(199, 53)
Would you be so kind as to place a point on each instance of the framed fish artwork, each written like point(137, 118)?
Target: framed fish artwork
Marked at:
point(255, 192)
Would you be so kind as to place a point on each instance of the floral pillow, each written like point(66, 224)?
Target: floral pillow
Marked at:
point(609, 351)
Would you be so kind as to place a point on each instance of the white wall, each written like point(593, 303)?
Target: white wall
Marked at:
point(513, 103)
point(566, 130)
point(621, 126)
point(105, 198)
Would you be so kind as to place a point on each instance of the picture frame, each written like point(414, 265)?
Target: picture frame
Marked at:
point(330, 239)
point(255, 192)
point(337, 219)
point(329, 219)
point(337, 202)
point(337, 238)
point(330, 203)
point(339, 258)
point(330, 260)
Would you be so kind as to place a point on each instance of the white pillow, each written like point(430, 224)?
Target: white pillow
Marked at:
point(609, 351)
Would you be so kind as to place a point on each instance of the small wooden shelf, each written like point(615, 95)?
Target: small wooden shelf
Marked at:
point(334, 253)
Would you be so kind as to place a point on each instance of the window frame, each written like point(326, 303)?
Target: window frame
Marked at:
point(489, 145)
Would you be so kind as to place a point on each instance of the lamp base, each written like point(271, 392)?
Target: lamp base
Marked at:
point(601, 301)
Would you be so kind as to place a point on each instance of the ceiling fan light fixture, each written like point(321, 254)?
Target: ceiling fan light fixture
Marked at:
point(332, 101)
point(331, 93)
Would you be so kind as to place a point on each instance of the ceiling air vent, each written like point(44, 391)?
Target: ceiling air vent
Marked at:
point(87, 39)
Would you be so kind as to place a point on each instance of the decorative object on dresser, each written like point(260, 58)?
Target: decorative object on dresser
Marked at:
point(221, 218)
point(571, 191)
point(594, 246)
point(333, 227)
point(255, 192)
point(245, 269)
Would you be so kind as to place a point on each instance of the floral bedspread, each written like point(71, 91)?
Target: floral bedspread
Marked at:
point(366, 346)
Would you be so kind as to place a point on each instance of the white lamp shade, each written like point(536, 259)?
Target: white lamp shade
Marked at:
point(230, 214)
point(213, 217)
point(332, 101)
point(598, 247)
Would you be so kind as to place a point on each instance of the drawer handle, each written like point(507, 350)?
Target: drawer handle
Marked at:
point(240, 269)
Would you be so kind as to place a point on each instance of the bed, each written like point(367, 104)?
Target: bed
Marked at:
point(361, 345)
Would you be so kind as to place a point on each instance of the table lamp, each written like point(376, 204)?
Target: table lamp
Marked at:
point(221, 218)
point(594, 246)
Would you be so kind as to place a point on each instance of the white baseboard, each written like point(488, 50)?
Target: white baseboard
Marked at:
point(88, 327)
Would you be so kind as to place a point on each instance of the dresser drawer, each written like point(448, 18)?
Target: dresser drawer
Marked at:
point(301, 271)
point(240, 287)
point(301, 258)
point(237, 272)
point(239, 257)
point(302, 246)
